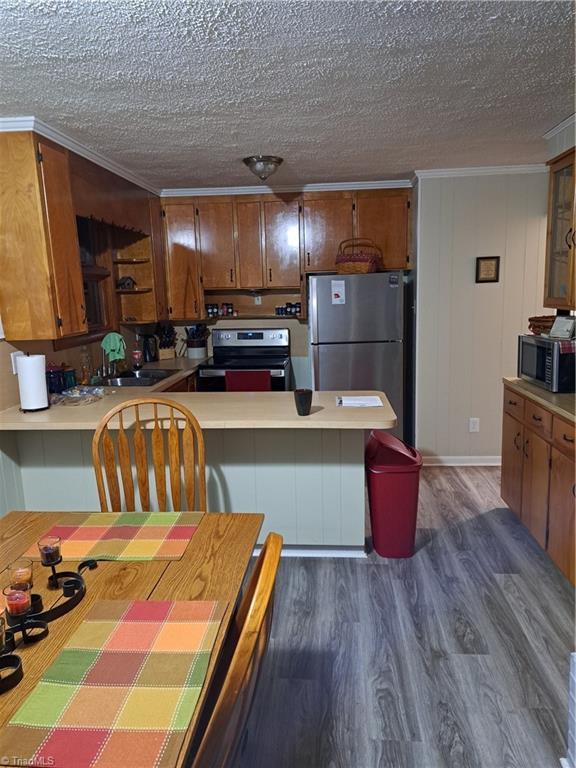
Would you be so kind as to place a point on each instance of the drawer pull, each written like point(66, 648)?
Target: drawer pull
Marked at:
point(536, 418)
point(512, 402)
point(567, 438)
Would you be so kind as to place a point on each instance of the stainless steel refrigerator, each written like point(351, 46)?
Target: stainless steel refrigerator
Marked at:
point(357, 335)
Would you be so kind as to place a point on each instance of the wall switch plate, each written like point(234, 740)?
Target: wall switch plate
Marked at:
point(13, 356)
point(258, 300)
point(473, 425)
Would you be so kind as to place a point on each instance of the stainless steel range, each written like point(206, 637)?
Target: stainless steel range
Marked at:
point(247, 349)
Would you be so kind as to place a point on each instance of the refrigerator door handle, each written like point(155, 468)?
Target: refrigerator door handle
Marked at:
point(315, 366)
point(313, 309)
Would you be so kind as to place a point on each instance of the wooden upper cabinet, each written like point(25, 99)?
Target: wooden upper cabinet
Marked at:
point(281, 243)
point(383, 216)
point(41, 289)
point(158, 258)
point(184, 295)
point(559, 288)
point(215, 243)
point(249, 244)
point(328, 220)
point(63, 240)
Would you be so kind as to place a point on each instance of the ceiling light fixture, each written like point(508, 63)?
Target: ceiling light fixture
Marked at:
point(263, 165)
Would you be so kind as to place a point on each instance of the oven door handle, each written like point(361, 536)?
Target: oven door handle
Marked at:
point(279, 373)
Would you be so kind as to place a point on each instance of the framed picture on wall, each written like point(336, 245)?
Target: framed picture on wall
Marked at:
point(488, 269)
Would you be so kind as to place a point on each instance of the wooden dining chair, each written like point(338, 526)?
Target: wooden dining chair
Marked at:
point(221, 738)
point(149, 431)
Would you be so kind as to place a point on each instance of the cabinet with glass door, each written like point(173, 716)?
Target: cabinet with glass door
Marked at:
point(559, 289)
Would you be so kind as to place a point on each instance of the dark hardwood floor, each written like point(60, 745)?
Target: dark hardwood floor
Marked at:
point(457, 657)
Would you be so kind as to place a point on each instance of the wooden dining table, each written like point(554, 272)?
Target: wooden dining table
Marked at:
point(212, 568)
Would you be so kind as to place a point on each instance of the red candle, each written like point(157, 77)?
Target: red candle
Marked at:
point(18, 599)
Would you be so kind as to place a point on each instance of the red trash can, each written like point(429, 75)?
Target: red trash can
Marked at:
point(392, 474)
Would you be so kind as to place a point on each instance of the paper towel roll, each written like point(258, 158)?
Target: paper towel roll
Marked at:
point(31, 371)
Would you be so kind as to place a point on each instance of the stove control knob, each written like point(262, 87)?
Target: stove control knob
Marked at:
point(227, 336)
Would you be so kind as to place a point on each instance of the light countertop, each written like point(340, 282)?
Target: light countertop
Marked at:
point(563, 405)
point(215, 410)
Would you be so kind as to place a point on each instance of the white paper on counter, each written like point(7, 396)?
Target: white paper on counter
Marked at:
point(368, 401)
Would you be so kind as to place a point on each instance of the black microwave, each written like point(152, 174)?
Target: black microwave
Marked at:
point(549, 363)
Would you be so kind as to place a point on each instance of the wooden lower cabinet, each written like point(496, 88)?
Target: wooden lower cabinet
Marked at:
point(535, 482)
point(537, 479)
point(562, 511)
point(512, 460)
point(187, 384)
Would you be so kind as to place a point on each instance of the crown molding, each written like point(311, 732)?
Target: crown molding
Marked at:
point(485, 170)
point(262, 190)
point(570, 121)
point(12, 124)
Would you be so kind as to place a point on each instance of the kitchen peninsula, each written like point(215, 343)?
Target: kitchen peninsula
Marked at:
point(306, 474)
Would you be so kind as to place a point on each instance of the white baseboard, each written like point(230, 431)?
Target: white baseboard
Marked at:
point(293, 551)
point(462, 461)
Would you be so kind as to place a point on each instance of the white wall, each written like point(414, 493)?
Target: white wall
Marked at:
point(467, 332)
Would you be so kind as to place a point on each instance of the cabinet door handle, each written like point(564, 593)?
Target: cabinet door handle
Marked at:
point(567, 438)
point(574, 490)
point(270, 275)
point(567, 238)
point(512, 402)
point(536, 418)
point(516, 436)
point(84, 317)
point(231, 275)
point(195, 306)
point(524, 451)
point(308, 258)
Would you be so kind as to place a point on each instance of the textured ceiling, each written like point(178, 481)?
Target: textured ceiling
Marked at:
point(179, 92)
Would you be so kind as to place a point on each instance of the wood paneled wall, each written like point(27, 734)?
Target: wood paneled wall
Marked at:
point(467, 332)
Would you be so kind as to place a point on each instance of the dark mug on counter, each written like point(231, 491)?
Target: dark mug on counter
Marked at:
point(303, 400)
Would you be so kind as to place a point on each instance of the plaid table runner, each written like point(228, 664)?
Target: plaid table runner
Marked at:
point(123, 690)
point(127, 536)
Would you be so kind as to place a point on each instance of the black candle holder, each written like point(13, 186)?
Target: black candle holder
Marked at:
point(14, 663)
point(73, 589)
point(9, 662)
point(36, 618)
point(33, 624)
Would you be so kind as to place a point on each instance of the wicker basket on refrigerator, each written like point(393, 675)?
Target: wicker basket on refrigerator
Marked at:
point(358, 256)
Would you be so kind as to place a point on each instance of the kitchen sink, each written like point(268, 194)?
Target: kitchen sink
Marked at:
point(142, 378)
point(125, 381)
point(148, 373)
